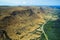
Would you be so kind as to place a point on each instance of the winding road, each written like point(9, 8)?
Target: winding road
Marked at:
point(42, 29)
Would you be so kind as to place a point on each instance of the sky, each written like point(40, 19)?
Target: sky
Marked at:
point(29, 2)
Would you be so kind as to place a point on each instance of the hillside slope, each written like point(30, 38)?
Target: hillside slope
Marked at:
point(24, 23)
